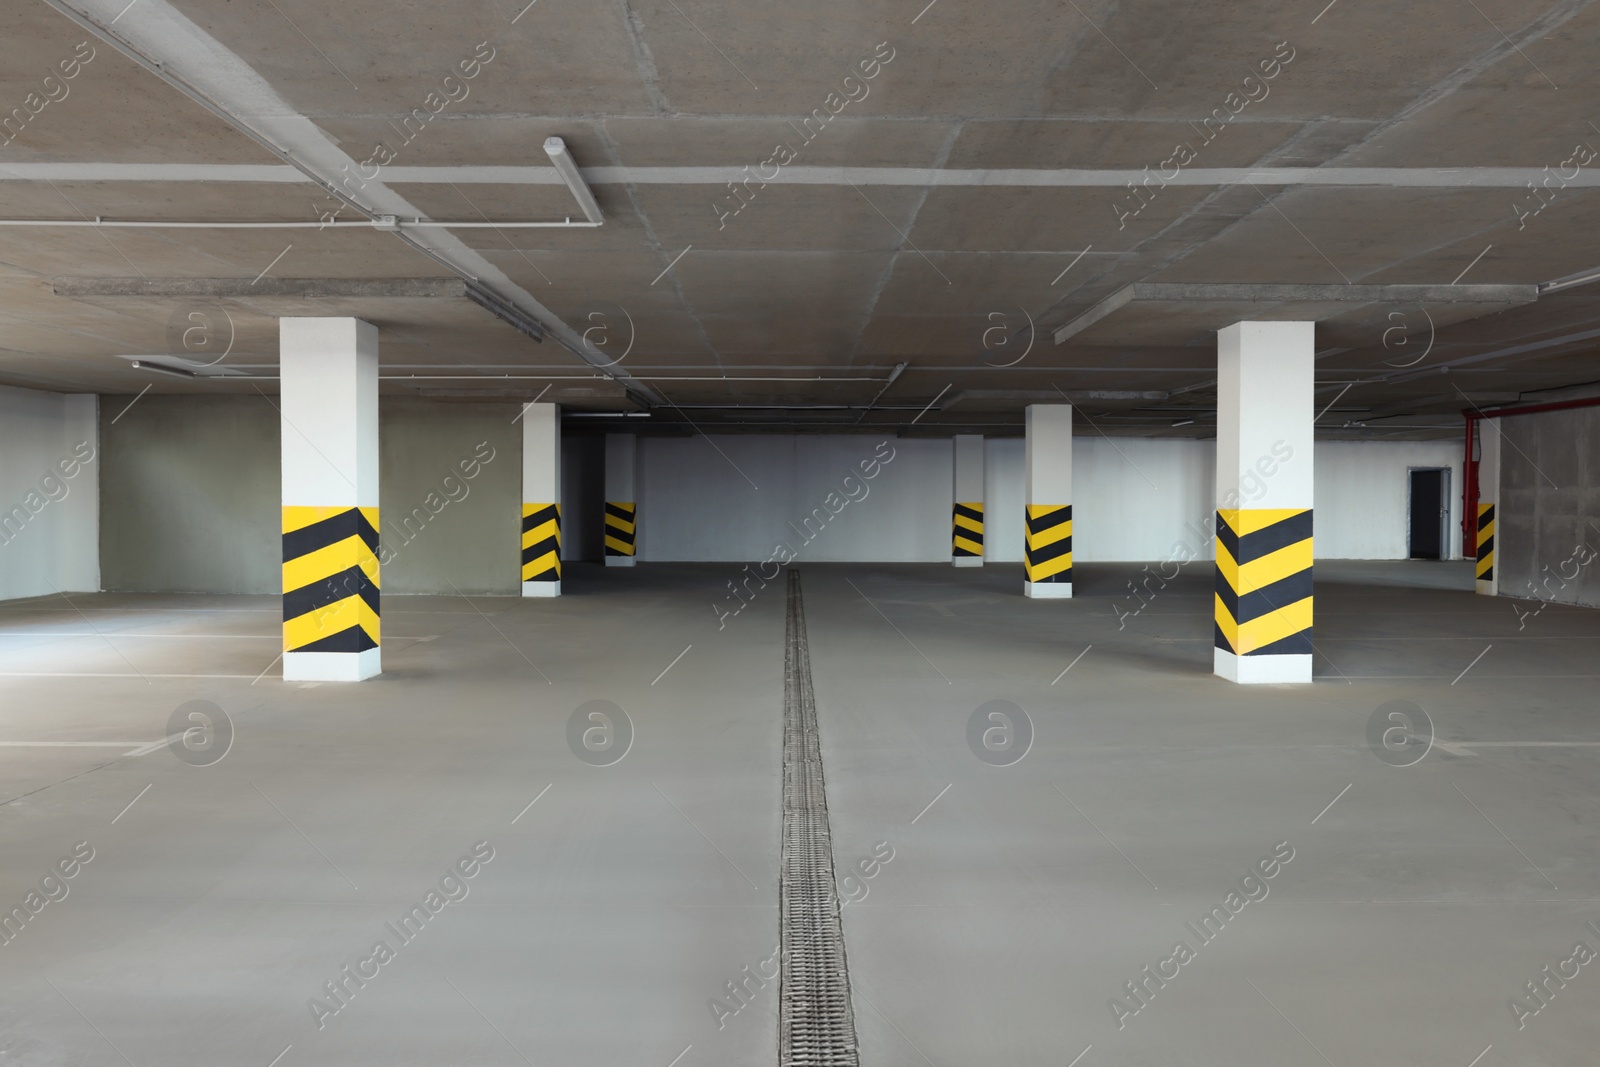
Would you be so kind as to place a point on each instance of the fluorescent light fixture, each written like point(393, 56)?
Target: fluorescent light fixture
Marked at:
point(1570, 281)
point(562, 160)
point(1183, 422)
point(162, 368)
point(505, 311)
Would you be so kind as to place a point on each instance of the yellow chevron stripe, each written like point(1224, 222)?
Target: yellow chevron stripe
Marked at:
point(1249, 520)
point(1273, 567)
point(1485, 565)
point(965, 523)
point(1226, 623)
point(297, 517)
point(1049, 536)
point(328, 561)
point(544, 564)
point(625, 525)
point(1038, 572)
point(1274, 626)
point(540, 532)
point(327, 621)
point(975, 547)
point(624, 547)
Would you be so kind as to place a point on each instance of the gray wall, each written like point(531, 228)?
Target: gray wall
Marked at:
point(444, 531)
point(1547, 523)
point(190, 496)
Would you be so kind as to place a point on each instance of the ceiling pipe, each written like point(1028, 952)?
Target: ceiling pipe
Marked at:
point(563, 334)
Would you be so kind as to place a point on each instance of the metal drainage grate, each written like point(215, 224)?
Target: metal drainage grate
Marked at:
point(816, 1026)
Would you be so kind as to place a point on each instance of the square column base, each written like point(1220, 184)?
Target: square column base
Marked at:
point(620, 561)
point(1048, 590)
point(332, 666)
point(966, 561)
point(541, 588)
point(1486, 588)
point(1262, 670)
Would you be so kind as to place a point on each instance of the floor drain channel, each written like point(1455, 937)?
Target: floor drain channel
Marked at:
point(816, 1025)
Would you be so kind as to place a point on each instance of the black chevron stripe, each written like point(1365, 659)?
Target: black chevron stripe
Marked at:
point(352, 581)
point(353, 639)
point(1049, 520)
point(1045, 553)
point(330, 531)
point(539, 548)
point(540, 517)
point(1280, 594)
point(1281, 534)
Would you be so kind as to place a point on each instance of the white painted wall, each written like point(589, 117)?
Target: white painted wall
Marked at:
point(49, 522)
point(1363, 496)
point(1134, 499)
point(1004, 497)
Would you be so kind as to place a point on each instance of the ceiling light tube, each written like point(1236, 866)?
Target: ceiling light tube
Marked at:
point(162, 368)
point(562, 160)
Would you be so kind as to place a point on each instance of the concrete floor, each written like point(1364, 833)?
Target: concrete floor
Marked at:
point(1019, 898)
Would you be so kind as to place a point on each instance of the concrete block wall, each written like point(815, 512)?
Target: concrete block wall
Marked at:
point(1547, 522)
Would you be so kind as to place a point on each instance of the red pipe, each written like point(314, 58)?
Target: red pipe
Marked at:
point(1469, 492)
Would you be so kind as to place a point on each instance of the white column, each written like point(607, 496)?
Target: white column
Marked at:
point(1488, 581)
point(966, 534)
point(1047, 515)
point(328, 402)
point(1265, 382)
point(622, 507)
point(541, 500)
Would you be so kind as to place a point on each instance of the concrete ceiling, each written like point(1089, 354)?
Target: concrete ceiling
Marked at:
point(969, 202)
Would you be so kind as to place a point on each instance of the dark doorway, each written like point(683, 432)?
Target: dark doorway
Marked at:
point(1430, 512)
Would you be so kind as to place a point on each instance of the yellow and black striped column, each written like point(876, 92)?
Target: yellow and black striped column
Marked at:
point(1266, 486)
point(622, 511)
point(966, 536)
point(1263, 590)
point(541, 484)
point(541, 545)
point(1047, 545)
point(622, 528)
point(328, 406)
point(1485, 572)
point(1047, 514)
point(968, 488)
point(1482, 546)
point(330, 579)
